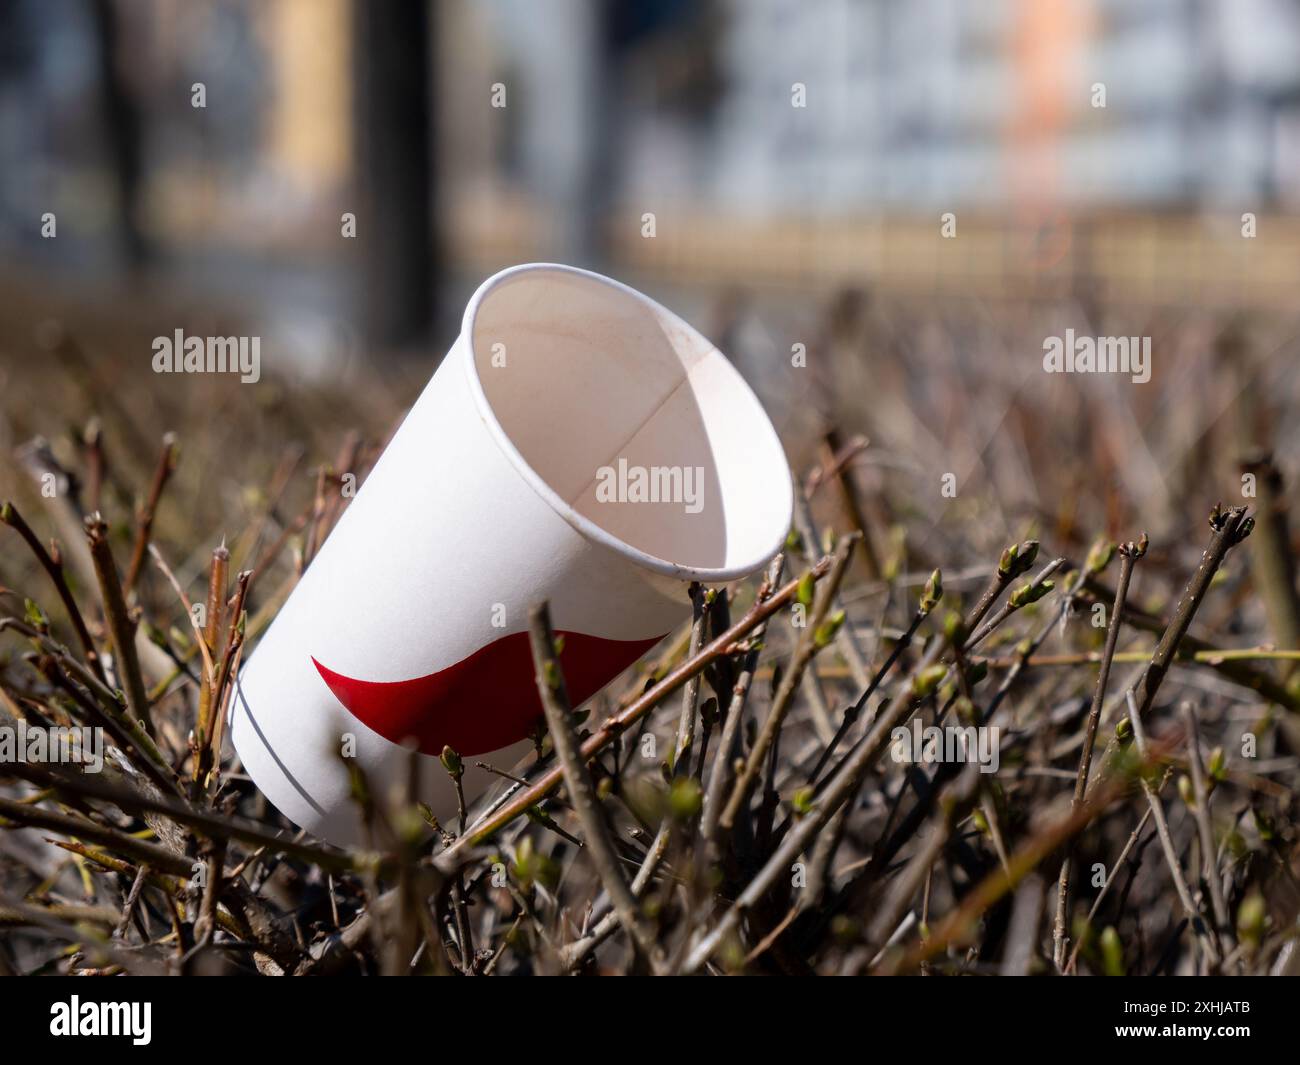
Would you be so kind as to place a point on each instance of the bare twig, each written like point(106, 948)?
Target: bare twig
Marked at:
point(842, 784)
point(728, 744)
point(54, 567)
point(1167, 840)
point(614, 726)
point(1230, 528)
point(121, 626)
point(701, 599)
point(1131, 843)
point(145, 515)
point(577, 779)
point(811, 640)
point(1129, 555)
point(1201, 793)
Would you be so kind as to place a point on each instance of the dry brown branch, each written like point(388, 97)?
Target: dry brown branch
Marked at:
point(1129, 555)
point(10, 516)
point(582, 793)
point(148, 509)
point(638, 708)
point(121, 625)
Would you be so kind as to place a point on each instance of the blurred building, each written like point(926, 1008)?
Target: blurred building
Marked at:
point(941, 103)
point(769, 137)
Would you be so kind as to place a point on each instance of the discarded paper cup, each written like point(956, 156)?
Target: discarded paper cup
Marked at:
point(579, 444)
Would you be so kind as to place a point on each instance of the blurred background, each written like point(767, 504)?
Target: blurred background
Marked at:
point(917, 192)
point(878, 209)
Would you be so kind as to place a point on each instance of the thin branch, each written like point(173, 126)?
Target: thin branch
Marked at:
point(121, 626)
point(1167, 840)
point(810, 642)
point(839, 788)
point(1201, 793)
point(212, 825)
point(145, 515)
point(1129, 555)
point(577, 780)
point(701, 600)
point(616, 725)
point(958, 925)
point(54, 567)
point(729, 742)
point(1127, 849)
point(1230, 528)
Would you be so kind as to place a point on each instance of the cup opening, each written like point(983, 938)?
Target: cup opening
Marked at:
point(629, 422)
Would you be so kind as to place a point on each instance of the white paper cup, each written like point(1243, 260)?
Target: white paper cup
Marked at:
point(514, 478)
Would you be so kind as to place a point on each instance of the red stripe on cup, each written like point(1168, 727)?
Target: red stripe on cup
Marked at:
point(484, 702)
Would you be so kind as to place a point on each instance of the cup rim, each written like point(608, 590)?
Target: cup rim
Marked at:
point(587, 528)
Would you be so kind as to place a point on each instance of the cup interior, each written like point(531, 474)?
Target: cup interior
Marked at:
point(630, 422)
